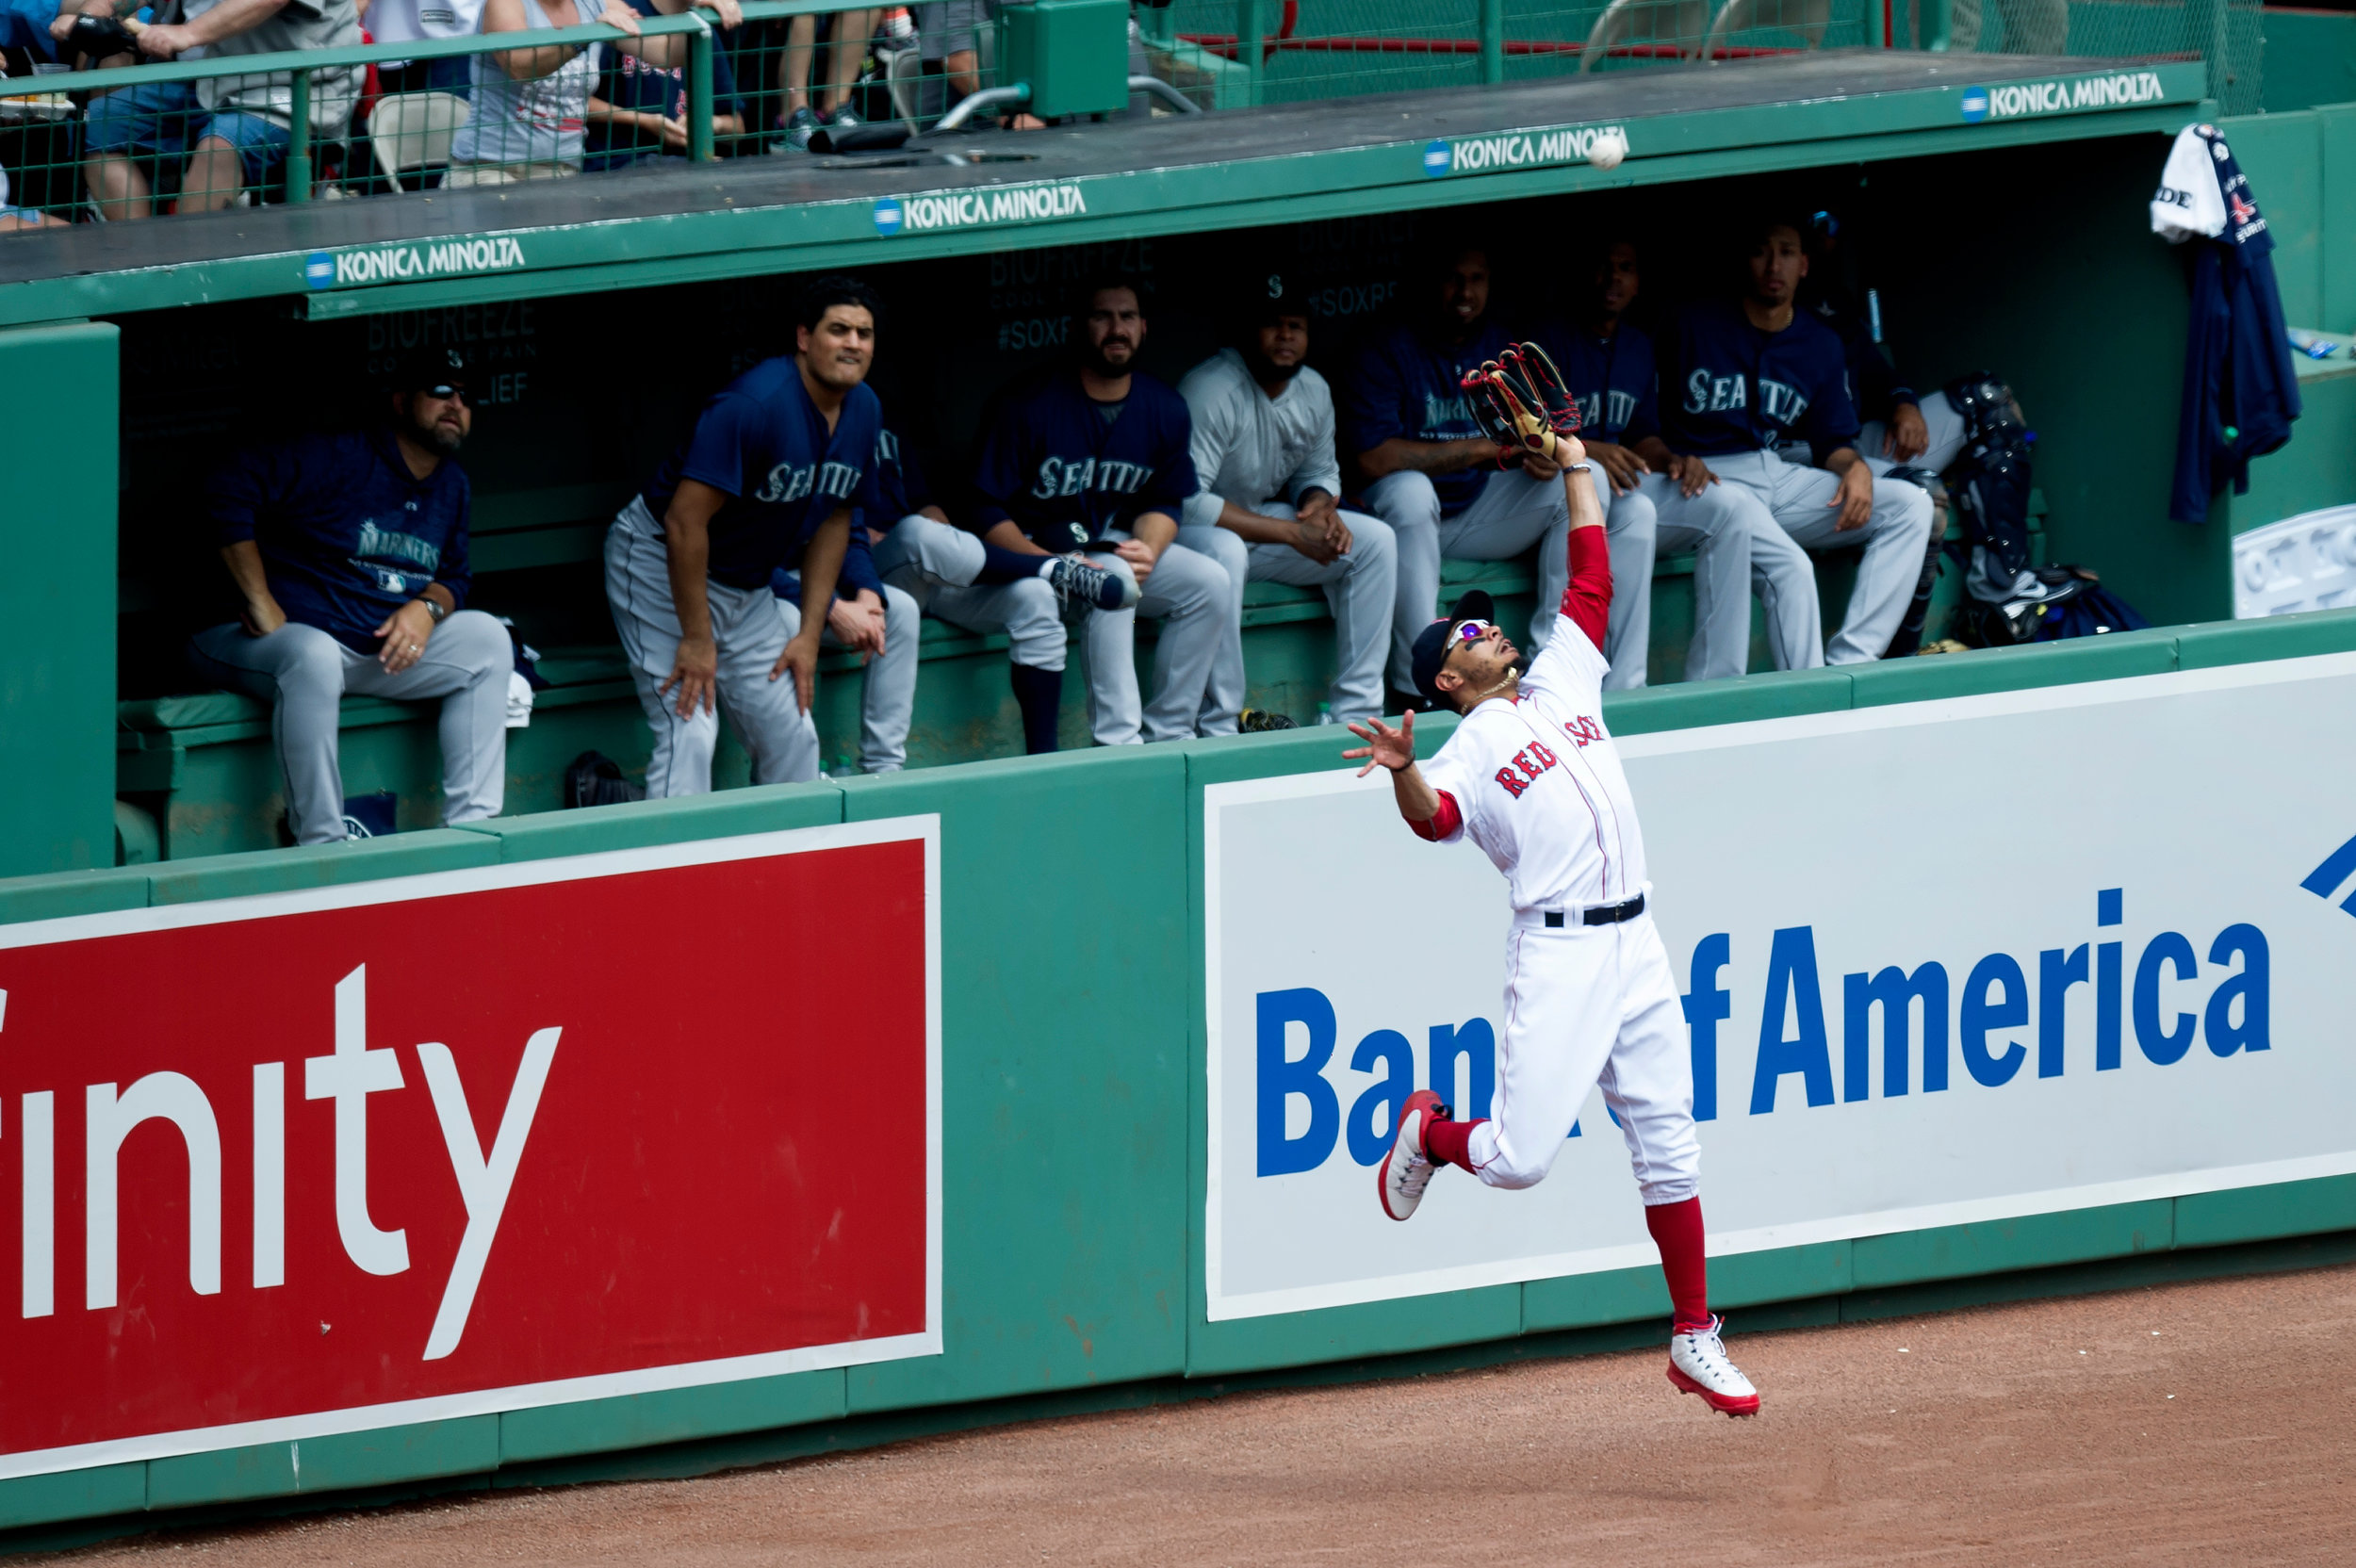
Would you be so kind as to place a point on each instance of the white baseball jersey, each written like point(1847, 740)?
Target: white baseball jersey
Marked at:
point(1539, 787)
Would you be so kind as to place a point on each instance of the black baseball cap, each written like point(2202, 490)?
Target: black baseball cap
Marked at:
point(422, 368)
point(1265, 299)
point(1433, 642)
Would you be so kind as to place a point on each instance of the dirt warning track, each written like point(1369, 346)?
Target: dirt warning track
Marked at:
point(2186, 1424)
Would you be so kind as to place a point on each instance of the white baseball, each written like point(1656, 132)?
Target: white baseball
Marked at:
point(1610, 147)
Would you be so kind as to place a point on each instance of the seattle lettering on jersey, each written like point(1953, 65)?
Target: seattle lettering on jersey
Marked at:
point(1447, 417)
point(1709, 394)
point(788, 483)
point(1073, 476)
point(1621, 407)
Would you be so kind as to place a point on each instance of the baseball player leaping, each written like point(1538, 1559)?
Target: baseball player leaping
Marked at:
point(1532, 777)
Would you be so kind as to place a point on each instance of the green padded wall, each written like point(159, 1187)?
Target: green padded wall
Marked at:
point(58, 600)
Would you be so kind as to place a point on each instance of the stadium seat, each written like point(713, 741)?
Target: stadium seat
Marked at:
point(411, 132)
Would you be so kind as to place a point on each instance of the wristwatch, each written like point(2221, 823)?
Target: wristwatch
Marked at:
point(433, 607)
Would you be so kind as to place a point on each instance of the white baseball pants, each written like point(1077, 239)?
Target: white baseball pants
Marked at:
point(302, 673)
point(1360, 589)
point(1894, 539)
point(887, 704)
point(766, 716)
point(1190, 594)
point(1588, 1006)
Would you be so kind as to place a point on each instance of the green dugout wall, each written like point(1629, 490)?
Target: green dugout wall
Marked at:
point(1074, 1035)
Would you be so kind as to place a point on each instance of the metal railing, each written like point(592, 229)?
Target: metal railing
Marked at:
point(109, 143)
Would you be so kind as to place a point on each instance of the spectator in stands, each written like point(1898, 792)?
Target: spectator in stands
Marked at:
point(28, 28)
point(948, 35)
point(13, 218)
point(238, 127)
point(421, 22)
point(639, 110)
point(350, 554)
point(878, 622)
point(769, 478)
point(1091, 458)
point(1433, 476)
point(1269, 508)
point(1608, 366)
point(532, 106)
point(1754, 372)
point(847, 37)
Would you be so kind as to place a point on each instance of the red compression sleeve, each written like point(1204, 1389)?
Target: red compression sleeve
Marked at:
point(1447, 821)
point(1676, 1230)
point(1588, 600)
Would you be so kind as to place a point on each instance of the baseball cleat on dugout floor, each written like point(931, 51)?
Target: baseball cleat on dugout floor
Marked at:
point(1698, 1364)
point(1406, 1170)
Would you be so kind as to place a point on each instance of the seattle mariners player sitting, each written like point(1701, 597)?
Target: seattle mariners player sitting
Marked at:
point(1269, 507)
point(1752, 374)
point(1532, 777)
point(768, 480)
point(1434, 475)
point(1607, 368)
point(1094, 457)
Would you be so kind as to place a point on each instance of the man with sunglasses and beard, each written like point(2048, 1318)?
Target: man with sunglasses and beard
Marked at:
point(1532, 777)
point(350, 555)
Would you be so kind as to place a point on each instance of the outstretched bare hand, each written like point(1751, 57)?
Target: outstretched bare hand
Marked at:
point(1385, 748)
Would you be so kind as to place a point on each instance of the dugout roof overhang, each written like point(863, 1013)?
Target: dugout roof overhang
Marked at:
point(1282, 164)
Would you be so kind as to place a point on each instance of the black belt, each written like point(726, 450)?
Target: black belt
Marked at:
point(1601, 914)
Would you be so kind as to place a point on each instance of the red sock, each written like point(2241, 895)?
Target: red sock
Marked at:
point(1676, 1230)
point(1447, 1142)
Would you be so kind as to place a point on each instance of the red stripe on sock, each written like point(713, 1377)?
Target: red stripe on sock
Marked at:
point(1676, 1230)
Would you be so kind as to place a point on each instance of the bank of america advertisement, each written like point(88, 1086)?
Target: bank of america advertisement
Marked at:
point(1943, 962)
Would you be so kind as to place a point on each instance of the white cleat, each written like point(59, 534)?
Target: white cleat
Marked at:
point(1698, 1364)
point(1406, 1170)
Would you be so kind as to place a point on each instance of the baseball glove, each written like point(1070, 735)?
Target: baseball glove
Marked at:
point(1520, 402)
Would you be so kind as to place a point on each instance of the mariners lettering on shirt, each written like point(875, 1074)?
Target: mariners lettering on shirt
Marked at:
point(1059, 476)
point(378, 545)
point(789, 483)
point(1528, 762)
point(1709, 394)
point(1443, 415)
point(1592, 410)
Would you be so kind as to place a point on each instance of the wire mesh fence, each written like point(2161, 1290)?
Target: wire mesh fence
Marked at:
point(101, 131)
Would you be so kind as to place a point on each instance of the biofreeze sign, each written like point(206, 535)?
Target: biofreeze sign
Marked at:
point(1943, 962)
point(442, 1144)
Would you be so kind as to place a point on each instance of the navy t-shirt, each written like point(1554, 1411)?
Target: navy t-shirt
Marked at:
point(1736, 388)
point(347, 533)
point(630, 82)
point(1053, 464)
point(762, 442)
point(1410, 386)
point(1612, 379)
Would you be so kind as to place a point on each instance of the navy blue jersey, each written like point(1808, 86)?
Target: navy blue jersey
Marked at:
point(2241, 390)
point(763, 444)
point(900, 479)
point(630, 82)
point(1735, 388)
point(896, 474)
point(1410, 386)
point(1053, 466)
point(1612, 379)
point(347, 533)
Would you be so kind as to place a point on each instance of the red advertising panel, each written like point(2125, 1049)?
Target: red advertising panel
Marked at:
point(471, 1141)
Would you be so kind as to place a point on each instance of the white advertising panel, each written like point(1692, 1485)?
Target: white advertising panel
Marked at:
point(2119, 920)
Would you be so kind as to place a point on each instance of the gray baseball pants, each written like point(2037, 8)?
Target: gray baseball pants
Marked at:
point(1188, 593)
point(1360, 590)
point(1894, 539)
point(1513, 512)
point(1735, 542)
point(303, 674)
point(1945, 429)
point(766, 716)
point(887, 704)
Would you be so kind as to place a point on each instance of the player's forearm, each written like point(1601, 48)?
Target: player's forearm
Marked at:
point(1841, 459)
point(1254, 528)
point(1155, 530)
point(1399, 455)
point(1007, 537)
point(687, 556)
point(822, 565)
point(1655, 453)
point(1418, 802)
point(1578, 491)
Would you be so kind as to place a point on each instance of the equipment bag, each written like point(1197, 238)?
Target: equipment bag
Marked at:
point(593, 778)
